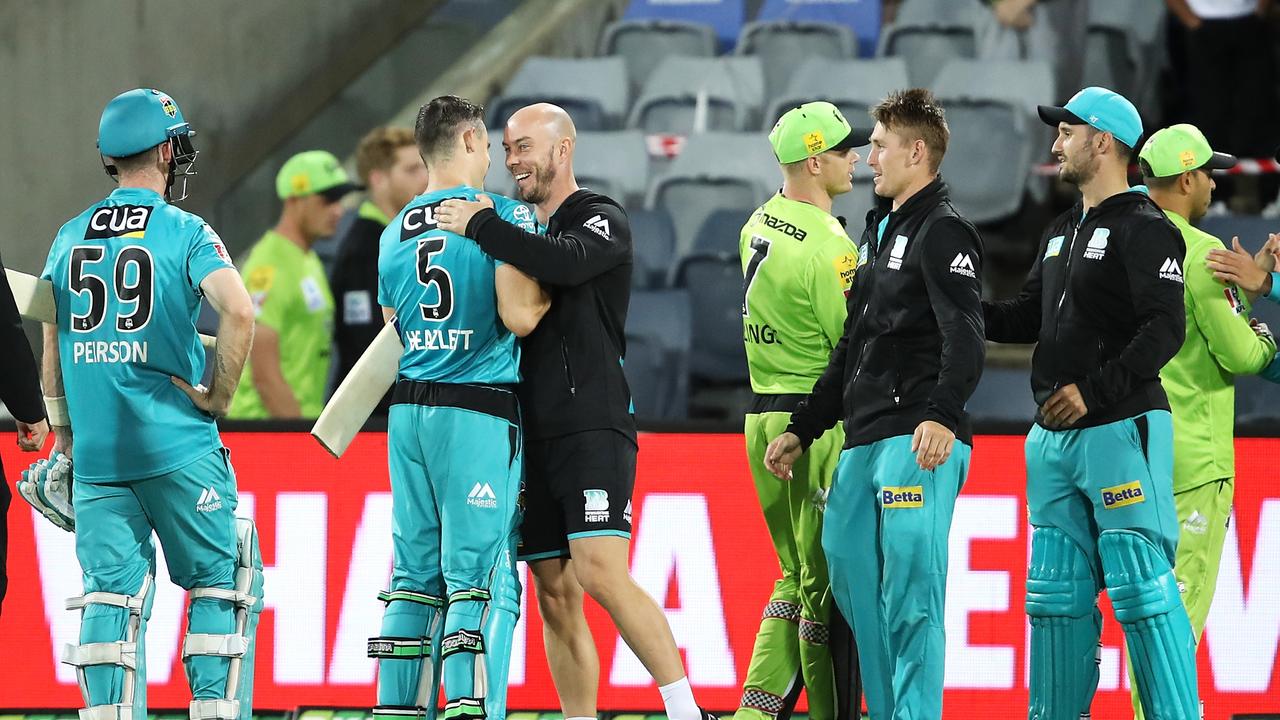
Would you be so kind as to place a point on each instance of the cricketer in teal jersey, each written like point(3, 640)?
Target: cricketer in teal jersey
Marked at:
point(128, 276)
point(455, 448)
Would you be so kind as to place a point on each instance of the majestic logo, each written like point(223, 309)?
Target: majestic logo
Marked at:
point(626, 514)
point(1054, 248)
point(209, 501)
point(112, 221)
point(1170, 270)
point(1097, 246)
point(596, 504)
point(911, 496)
point(599, 225)
point(963, 265)
point(1121, 495)
point(482, 496)
point(897, 251)
point(416, 221)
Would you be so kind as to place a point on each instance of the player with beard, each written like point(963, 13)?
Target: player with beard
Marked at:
point(1104, 302)
point(580, 456)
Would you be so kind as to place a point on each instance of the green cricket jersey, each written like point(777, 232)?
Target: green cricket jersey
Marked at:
point(1199, 379)
point(291, 296)
point(798, 266)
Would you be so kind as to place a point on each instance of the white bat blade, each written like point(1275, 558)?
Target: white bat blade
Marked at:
point(355, 399)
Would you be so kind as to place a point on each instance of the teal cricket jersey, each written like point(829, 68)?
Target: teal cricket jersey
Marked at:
point(441, 287)
point(126, 279)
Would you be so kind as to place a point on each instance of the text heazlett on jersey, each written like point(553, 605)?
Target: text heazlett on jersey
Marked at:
point(438, 339)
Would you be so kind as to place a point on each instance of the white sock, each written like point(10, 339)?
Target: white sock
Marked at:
point(678, 697)
point(581, 717)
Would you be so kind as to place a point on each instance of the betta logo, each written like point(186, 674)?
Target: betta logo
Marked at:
point(1121, 495)
point(902, 497)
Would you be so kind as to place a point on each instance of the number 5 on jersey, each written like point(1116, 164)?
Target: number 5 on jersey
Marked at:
point(429, 275)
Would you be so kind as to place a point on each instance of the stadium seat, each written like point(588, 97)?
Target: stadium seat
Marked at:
point(783, 45)
point(1003, 395)
point(593, 90)
point(642, 44)
point(854, 205)
point(928, 33)
point(613, 163)
point(725, 17)
point(714, 171)
point(654, 245)
point(715, 289)
point(1111, 54)
point(718, 237)
point(860, 16)
point(985, 100)
point(659, 335)
point(851, 85)
point(685, 95)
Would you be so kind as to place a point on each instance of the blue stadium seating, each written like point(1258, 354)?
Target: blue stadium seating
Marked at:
point(715, 288)
point(725, 16)
point(659, 338)
point(654, 242)
point(861, 15)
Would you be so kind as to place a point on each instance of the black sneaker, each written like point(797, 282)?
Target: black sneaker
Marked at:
point(708, 716)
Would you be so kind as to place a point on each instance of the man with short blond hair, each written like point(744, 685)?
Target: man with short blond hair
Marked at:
point(388, 164)
point(909, 358)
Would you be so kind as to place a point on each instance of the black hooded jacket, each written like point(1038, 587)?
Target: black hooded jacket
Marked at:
point(912, 348)
point(571, 364)
point(1104, 302)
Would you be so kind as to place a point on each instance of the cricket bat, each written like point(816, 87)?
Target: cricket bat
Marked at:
point(35, 300)
point(354, 400)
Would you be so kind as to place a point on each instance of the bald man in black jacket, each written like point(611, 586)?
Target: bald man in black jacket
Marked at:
point(20, 392)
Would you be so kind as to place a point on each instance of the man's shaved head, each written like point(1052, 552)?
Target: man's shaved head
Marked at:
point(539, 141)
point(551, 120)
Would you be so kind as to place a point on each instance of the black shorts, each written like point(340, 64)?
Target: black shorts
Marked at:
point(576, 486)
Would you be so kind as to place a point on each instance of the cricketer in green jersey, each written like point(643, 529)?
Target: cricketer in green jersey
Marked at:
point(798, 265)
point(1176, 163)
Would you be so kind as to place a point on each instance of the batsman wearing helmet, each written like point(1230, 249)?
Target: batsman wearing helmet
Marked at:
point(128, 275)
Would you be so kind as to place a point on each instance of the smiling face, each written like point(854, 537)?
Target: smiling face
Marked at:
point(532, 150)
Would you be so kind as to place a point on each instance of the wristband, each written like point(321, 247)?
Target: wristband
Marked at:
point(56, 409)
point(1274, 294)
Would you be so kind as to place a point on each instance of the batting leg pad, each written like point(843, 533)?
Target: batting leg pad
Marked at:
point(110, 659)
point(408, 669)
point(476, 650)
point(1062, 603)
point(226, 656)
point(1161, 645)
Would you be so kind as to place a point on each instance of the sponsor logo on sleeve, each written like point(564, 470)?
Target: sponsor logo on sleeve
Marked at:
point(1097, 246)
point(357, 307)
point(218, 247)
point(910, 496)
point(1233, 298)
point(1171, 270)
point(599, 225)
point(963, 265)
point(1121, 495)
point(846, 266)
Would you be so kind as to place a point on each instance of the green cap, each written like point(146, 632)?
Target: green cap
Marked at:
point(313, 172)
point(1179, 148)
point(811, 129)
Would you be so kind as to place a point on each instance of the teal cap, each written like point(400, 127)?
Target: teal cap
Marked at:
point(1101, 109)
point(139, 120)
